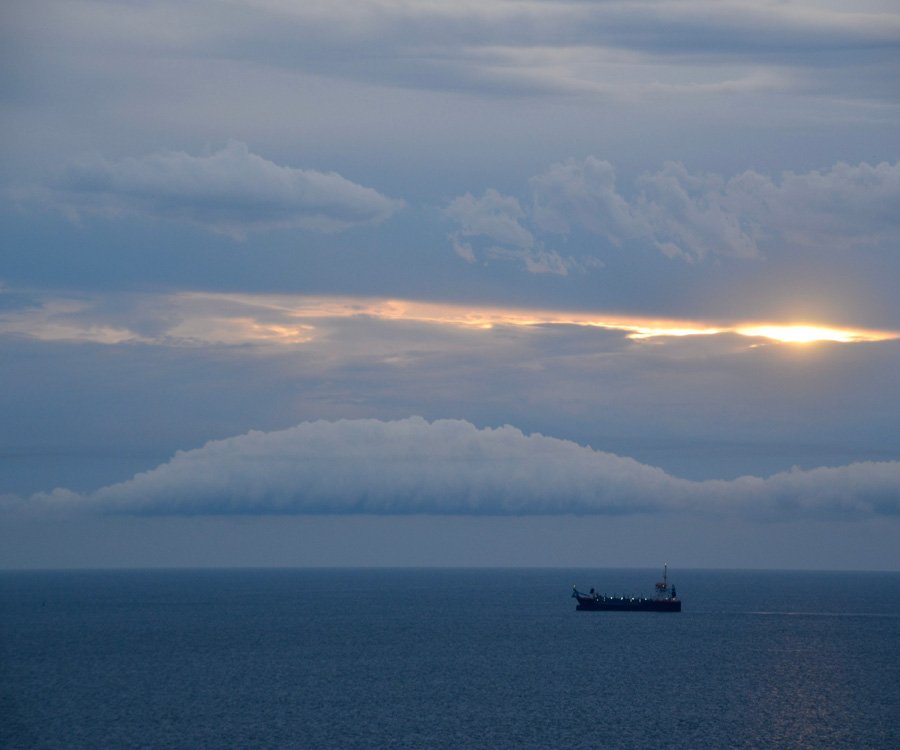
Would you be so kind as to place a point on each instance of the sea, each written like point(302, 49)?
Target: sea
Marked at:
point(446, 658)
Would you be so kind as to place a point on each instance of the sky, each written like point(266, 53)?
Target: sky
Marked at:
point(568, 283)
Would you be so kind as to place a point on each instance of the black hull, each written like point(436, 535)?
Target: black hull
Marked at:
point(638, 605)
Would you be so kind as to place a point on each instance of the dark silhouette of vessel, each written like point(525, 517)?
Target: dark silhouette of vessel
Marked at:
point(664, 601)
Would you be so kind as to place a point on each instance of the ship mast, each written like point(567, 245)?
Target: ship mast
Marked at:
point(662, 589)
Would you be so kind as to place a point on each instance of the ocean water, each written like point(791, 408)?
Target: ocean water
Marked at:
point(446, 659)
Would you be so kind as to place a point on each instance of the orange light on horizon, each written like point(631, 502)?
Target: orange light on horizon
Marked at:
point(806, 334)
point(487, 318)
point(283, 320)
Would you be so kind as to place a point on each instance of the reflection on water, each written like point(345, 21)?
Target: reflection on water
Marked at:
point(445, 659)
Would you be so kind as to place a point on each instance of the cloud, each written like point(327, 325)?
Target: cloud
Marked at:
point(380, 328)
point(497, 217)
point(255, 69)
point(231, 191)
point(289, 321)
point(698, 216)
point(521, 47)
point(582, 194)
point(694, 216)
point(540, 260)
point(526, 47)
point(493, 215)
point(411, 466)
point(839, 208)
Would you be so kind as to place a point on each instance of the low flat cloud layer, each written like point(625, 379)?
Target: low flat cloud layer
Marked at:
point(449, 467)
point(232, 191)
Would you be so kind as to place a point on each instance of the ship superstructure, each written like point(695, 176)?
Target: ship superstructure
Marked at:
point(665, 600)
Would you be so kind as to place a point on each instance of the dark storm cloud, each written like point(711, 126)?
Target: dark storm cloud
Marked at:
point(449, 467)
point(232, 191)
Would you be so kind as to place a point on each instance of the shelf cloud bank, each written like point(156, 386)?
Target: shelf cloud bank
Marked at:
point(450, 467)
point(231, 191)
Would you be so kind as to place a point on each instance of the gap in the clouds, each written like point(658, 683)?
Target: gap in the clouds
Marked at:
point(413, 259)
point(410, 257)
point(703, 459)
point(78, 467)
point(121, 256)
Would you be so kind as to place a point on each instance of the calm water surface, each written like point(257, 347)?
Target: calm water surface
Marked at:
point(446, 659)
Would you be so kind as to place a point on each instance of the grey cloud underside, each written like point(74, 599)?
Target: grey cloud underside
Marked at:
point(231, 191)
point(693, 217)
point(449, 467)
point(476, 45)
point(501, 46)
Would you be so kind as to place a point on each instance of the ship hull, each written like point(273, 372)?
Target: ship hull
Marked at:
point(587, 604)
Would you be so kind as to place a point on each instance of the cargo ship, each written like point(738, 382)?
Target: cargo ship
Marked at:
point(664, 601)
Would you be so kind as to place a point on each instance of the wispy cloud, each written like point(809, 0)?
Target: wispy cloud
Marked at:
point(504, 47)
point(498, 44)
point(232, 191)
point(412, 466)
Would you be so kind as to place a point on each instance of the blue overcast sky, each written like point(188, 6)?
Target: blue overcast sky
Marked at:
point(503, 282)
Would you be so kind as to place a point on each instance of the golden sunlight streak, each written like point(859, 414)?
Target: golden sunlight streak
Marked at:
point(205, 318)
point(486, 318)
point(243, 329)
point(806, 334)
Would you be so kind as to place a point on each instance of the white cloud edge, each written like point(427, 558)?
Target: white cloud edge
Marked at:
point(691, 217)
point(231, 191)
point(450, 467)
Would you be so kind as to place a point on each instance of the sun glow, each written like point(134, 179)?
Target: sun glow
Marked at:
point(204, 318)
point(804, 334)
point(489, 318)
